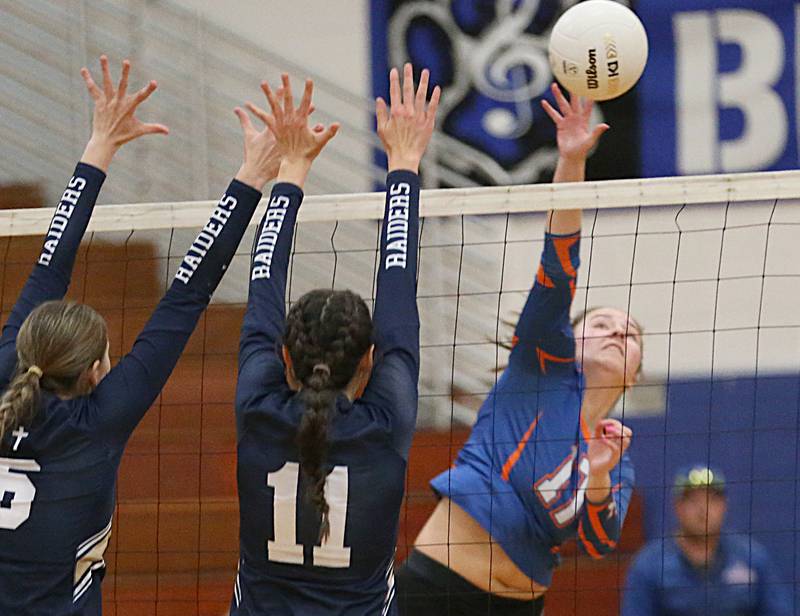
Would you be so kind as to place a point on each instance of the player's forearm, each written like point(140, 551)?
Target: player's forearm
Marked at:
point(548, 304)
point(211, 252)
point(396, 301)
point(270, 261)
point(600, 522)
point(399, 162)
point(565, 222)
point(99, 153)
point(135, 382)
point(158, 347)
point(70, 219)
point(598, 487)
point(294, 171)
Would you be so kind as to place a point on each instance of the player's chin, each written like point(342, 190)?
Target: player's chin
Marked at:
point(611, 369)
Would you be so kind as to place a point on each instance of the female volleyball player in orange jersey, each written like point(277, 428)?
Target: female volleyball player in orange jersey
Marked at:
point(543, 463)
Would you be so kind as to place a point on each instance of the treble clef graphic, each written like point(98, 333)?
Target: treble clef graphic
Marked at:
point(509, 66)
point(491, 130)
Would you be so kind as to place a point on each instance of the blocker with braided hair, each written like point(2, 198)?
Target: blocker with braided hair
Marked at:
point(327, 335)
point(326, 399)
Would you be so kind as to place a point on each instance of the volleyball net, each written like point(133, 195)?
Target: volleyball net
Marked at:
point(710, 266)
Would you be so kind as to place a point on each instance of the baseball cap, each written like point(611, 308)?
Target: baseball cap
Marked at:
point(698, 476)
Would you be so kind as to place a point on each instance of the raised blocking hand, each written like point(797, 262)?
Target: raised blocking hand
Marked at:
point(297, 142)
point(405, 128)
point(114, 122)
point(575, 139)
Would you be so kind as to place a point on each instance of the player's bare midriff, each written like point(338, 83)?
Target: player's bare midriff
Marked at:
point(453, 538)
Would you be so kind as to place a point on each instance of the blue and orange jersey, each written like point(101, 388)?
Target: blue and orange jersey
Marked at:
point(58, 472)
point(523, 472)
point(283, 569)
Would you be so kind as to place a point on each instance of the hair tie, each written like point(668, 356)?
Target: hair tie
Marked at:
point(323, 368)
point(35, 370)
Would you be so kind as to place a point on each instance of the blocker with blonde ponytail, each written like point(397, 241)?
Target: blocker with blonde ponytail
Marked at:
point(56, 346)
point(65, 413)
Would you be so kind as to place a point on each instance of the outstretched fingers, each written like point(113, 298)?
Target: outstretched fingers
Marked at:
point(143, 94)
point(154, 129)
point(305, 104)
point(576, 103)
point(324, 136)
point(422, 92)
point(408, 87)
point(258, 112)
point(91, 86)
point(381, 111)
point(122, 89)
point(554, 115)
point(395, 98)
point(108, 87)
point(244, 119)
point(274, 105)
point(598, 131)
point(563, 104)
point(433, 106)
point(262, 115)
point(288, 101)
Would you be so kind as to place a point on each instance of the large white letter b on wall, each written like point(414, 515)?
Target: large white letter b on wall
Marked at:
point(701, 91)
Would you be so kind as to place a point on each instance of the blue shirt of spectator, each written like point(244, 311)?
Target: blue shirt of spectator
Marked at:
point(700, 571)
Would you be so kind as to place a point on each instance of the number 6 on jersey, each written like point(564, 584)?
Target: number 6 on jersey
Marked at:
point(285, 549)
point(16, 491)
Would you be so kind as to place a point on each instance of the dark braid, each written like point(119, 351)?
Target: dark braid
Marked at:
point(327, 334)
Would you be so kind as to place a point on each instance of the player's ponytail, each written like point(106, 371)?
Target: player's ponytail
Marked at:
point(20, 400)
point(312, 438)
point(327, 334)
point(56, 345)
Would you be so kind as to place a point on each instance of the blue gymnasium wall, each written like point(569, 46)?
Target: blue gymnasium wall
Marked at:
point(748, 428)
point(740, 81)
point(738, 85)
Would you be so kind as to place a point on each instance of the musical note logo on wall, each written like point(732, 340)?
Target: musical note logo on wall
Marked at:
point(490, 57)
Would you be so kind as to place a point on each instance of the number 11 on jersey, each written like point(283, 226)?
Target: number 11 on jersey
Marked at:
point(284, 548)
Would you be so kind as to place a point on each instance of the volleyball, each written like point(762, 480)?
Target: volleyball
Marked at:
point(598, 49)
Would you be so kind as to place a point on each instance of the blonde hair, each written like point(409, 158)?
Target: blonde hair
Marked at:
point(56, 344)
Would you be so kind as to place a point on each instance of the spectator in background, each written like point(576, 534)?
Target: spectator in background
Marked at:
point(699, 570)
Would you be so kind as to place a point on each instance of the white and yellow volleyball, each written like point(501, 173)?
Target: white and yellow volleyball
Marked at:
point(598, 49)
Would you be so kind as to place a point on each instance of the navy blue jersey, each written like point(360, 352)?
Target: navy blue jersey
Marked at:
point(282, 569)
point(740, 581)
point(524, 470)
point(58, 474)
